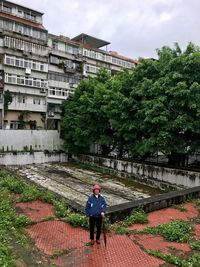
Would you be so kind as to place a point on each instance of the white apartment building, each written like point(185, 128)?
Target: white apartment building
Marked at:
point(24, 63)
point(65, 73)
point(40, 70)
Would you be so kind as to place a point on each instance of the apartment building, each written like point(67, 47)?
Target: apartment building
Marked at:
point(39, 70)
point(96, 56)
point(65, 73)
point(24, 66)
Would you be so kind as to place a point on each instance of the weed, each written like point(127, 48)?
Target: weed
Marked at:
point(122, 230)
point(169, 258)
point(178, 230)
point(138, 216)
point(195, 245)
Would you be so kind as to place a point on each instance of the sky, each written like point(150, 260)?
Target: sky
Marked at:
point(135, 28)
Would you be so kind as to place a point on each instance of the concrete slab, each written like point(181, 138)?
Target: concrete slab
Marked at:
point(75, 184)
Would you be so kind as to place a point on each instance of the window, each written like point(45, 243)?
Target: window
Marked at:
point(28, 81)
point(21, 98)
point(54, 45)
point(25, 63)
point(14, 125)
point(36, 101)
point(6, 9)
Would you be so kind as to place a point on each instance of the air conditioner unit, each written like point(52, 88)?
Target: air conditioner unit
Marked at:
point(28, 71)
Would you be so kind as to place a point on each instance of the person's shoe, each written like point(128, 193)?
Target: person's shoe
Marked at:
point(98, 242)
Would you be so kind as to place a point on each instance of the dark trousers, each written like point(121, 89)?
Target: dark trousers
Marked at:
point(95, 221)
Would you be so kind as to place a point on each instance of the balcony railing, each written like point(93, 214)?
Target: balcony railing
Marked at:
point(8, 10)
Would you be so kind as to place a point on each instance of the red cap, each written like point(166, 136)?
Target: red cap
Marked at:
point(96, 186)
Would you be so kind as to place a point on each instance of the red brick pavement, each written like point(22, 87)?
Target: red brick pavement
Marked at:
point(36, 210)
point(54, 236)
point(120, 251)
point(166, 215)
point(149, 241)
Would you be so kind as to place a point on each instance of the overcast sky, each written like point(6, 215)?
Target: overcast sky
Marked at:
point(135, 28)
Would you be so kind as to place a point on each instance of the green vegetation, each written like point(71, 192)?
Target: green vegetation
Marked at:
point(179, 207)
point(152, 108)
point(195, 245)
point(76, 219)
point(8, 98)
point(178, 230)
point(193, 261)
point(138, 216)
point(10, 224)
point(121, 230)
point(168, 258)
point(30, 192)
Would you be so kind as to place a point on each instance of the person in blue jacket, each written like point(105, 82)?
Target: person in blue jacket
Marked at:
point(95, 209)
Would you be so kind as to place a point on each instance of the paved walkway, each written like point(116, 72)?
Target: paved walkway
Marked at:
point(66, 246)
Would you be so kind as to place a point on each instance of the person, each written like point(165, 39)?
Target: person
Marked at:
point(95, 209)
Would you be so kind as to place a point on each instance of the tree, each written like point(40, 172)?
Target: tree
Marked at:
point(149, 109)
point(7, 100)
point(83, 119)
point(170, 104)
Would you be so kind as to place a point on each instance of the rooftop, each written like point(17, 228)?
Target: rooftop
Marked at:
point(90, 40)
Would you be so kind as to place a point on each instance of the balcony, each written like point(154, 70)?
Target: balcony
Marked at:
point(8, 10)
point(27, 106)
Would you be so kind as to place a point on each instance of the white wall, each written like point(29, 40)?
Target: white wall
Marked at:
point(144, 173)
point(39, 140)
point(35, 158)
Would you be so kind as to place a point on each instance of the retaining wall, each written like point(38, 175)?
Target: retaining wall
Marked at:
point(24, 158)
point(154, 176)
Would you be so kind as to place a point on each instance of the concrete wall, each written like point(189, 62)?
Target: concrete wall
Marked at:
point(24, 158)
point(148, 174)
point(121, 211)
point(22, 140)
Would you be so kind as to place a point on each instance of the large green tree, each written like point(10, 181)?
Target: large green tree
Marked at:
point(84, 120)
point(152, 108)
point(170, 106)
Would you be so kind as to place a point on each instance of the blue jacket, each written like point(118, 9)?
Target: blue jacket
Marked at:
point(95, 206)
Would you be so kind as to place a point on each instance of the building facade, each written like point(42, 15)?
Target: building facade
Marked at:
point(39, 70)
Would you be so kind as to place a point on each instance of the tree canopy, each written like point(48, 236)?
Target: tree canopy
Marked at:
point(153, 107)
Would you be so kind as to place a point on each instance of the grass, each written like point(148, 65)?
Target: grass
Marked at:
point(138, 216)
point(195, 245)
point(193, 261)
point(177, 230)
point(10, 224)
point(30, 192)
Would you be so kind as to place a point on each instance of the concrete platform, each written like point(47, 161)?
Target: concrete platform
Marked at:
point(75, 184)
